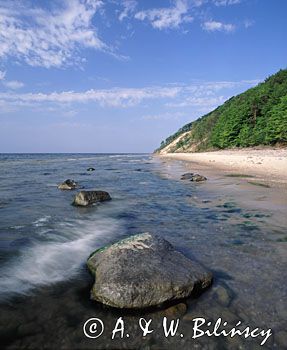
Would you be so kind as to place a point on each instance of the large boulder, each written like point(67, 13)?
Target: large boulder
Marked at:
point(142, 271)
point(85, 198)
point(67, 185)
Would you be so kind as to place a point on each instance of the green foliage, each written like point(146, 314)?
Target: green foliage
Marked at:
point(277, 122)
point(256, 117)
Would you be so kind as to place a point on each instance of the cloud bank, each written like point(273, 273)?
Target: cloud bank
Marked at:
point(197, 94)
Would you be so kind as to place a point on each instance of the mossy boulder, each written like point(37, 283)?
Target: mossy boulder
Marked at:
point(142, 271)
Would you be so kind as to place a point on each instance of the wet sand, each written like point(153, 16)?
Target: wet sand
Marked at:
point(250, 191)
point(264, 165)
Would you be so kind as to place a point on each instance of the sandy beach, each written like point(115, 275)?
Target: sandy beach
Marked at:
point(266, 165)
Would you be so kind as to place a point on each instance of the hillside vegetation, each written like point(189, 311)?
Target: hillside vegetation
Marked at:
point(256, 117)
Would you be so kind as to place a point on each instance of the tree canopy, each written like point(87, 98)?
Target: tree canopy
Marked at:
point(256, 117)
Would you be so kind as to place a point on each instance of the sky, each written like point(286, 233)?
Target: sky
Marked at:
point(117, 76)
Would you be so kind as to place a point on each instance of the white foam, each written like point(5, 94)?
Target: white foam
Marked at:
point(47, 263)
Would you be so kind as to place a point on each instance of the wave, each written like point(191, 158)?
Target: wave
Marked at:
point(41, 221)
point(47, 263)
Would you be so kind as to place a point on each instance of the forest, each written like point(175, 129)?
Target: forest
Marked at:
point(256, 117)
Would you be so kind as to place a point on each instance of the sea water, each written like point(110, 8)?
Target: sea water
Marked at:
point(45, 242)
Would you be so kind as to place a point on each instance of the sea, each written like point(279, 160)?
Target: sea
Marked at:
point(45, 242)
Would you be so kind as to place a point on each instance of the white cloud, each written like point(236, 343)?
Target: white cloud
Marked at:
point(205, 96)
point(208, 102)
point(10, 84)
point(197, 94)
point(13, 84)
point(49, 38)
point(163, 18)
point(117, 97)
point(248, 23)
point(184, 11)
point(226, 2)
point(212, 26)
point(198, 3)
point(2, 75)
point(129, 7)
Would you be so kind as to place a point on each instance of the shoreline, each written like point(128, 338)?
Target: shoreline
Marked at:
point(250, 190)
point(268, 166)
point(231, 228)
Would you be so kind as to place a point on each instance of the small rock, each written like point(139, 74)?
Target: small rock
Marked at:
point(67, 185)
point(222, 296)
point(143, 271)
point(91, 169)
point(187, 176)
point(85, 198)
point(198, 178)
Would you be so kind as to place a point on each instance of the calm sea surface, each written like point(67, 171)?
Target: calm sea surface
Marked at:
point(45, 241)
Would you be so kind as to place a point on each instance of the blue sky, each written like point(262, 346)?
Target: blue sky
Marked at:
point(120, 76)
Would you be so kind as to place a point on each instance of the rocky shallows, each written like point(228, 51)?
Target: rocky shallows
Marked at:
point(86, 198)
point(142, 271)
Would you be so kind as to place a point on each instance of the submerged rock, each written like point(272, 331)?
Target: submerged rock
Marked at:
point(67, 185)
point(91, 169)
point(222, 295)
point(187, 176)
point(85, 198)
point(198, 178)
point(142, 271)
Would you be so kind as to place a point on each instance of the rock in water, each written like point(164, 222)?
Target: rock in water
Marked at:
point(85, 198)
point(187, 176)
point(142, 271)
point(67, 185)
point(198, 178)
point(91, 169)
